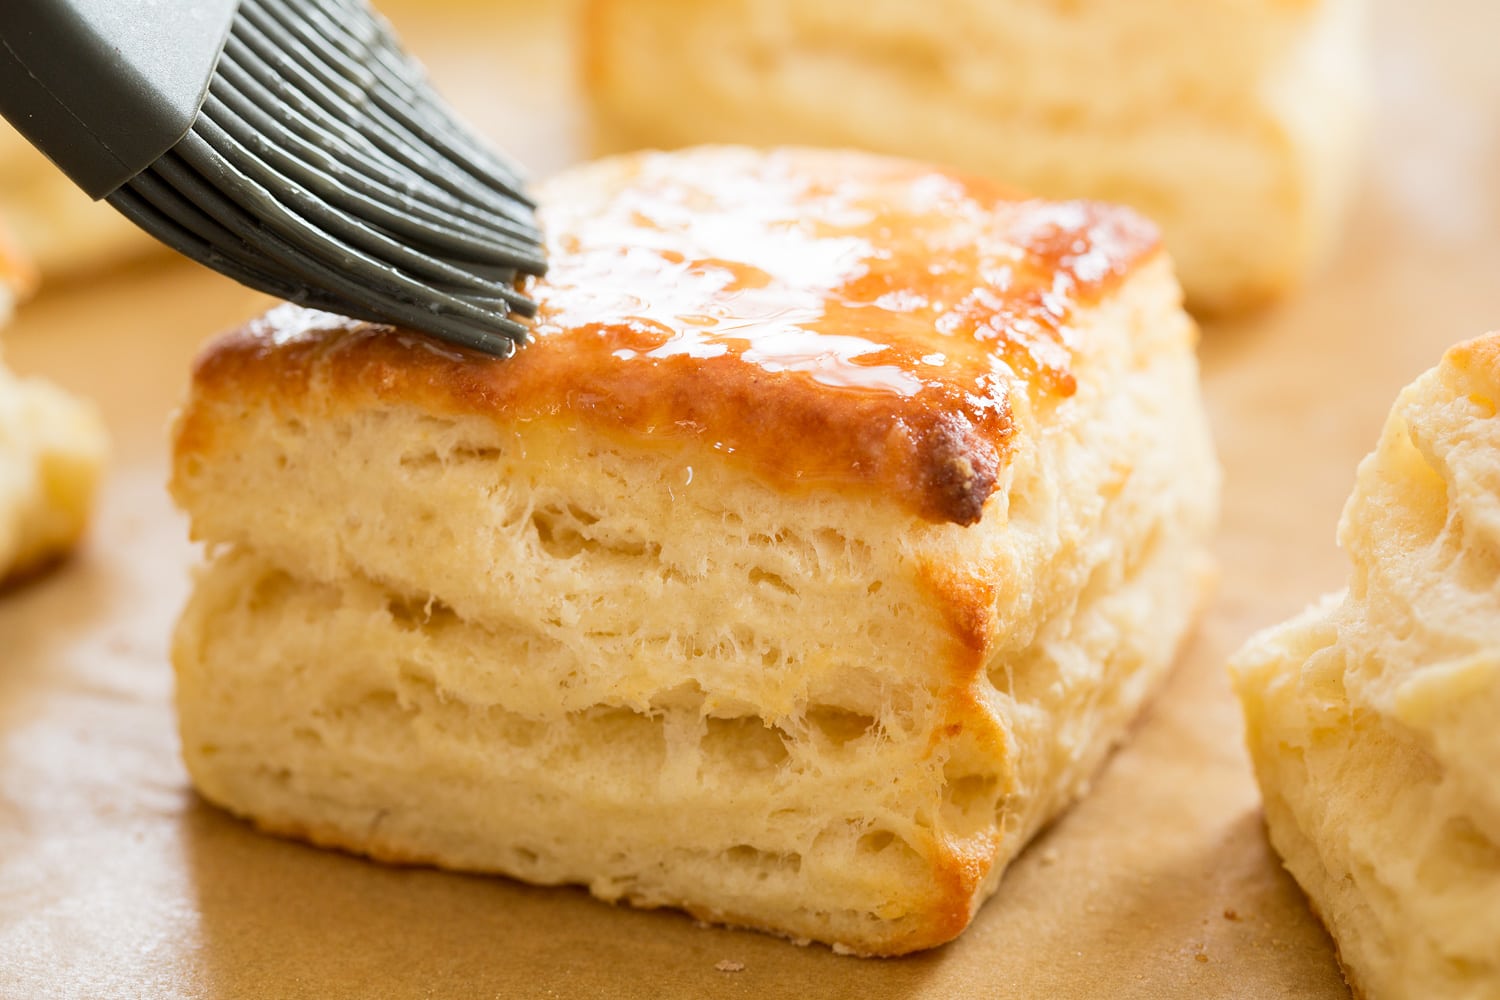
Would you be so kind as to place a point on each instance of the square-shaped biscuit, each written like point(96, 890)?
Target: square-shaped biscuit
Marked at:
point(1236, 125)
point(837, 522)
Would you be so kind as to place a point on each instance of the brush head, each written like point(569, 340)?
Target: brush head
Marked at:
point(319, 167)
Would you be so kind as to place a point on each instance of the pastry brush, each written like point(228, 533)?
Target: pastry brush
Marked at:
point(289, 144)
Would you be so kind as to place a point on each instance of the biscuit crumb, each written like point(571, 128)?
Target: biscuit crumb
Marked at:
point(725, 965)
point(1201, 957)
point(1049, 856)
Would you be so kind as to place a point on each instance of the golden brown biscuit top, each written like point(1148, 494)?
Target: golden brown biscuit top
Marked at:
point(1479, 358)
point(835, 320)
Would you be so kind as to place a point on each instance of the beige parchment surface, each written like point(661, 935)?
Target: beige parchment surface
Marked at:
point(115, 881)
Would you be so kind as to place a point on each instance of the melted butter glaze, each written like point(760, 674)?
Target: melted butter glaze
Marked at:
point(932, 294)
point(833, 319)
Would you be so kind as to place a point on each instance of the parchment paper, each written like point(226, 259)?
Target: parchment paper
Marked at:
point(115, 881)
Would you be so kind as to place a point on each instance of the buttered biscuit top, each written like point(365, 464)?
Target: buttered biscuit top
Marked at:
point(834, 320)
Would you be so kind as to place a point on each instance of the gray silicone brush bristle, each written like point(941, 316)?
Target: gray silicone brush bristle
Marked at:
point(322, 169)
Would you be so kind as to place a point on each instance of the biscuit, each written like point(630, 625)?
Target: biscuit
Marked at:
point(51, 455)
point(1374, 718)
point(1235, 125)
point(55, 223)
point(838, 520)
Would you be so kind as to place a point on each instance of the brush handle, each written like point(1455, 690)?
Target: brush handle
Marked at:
point(105, 87)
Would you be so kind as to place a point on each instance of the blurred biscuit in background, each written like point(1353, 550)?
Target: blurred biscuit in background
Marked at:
point(52, 450)
point(55, 224)
point(1235, 124)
